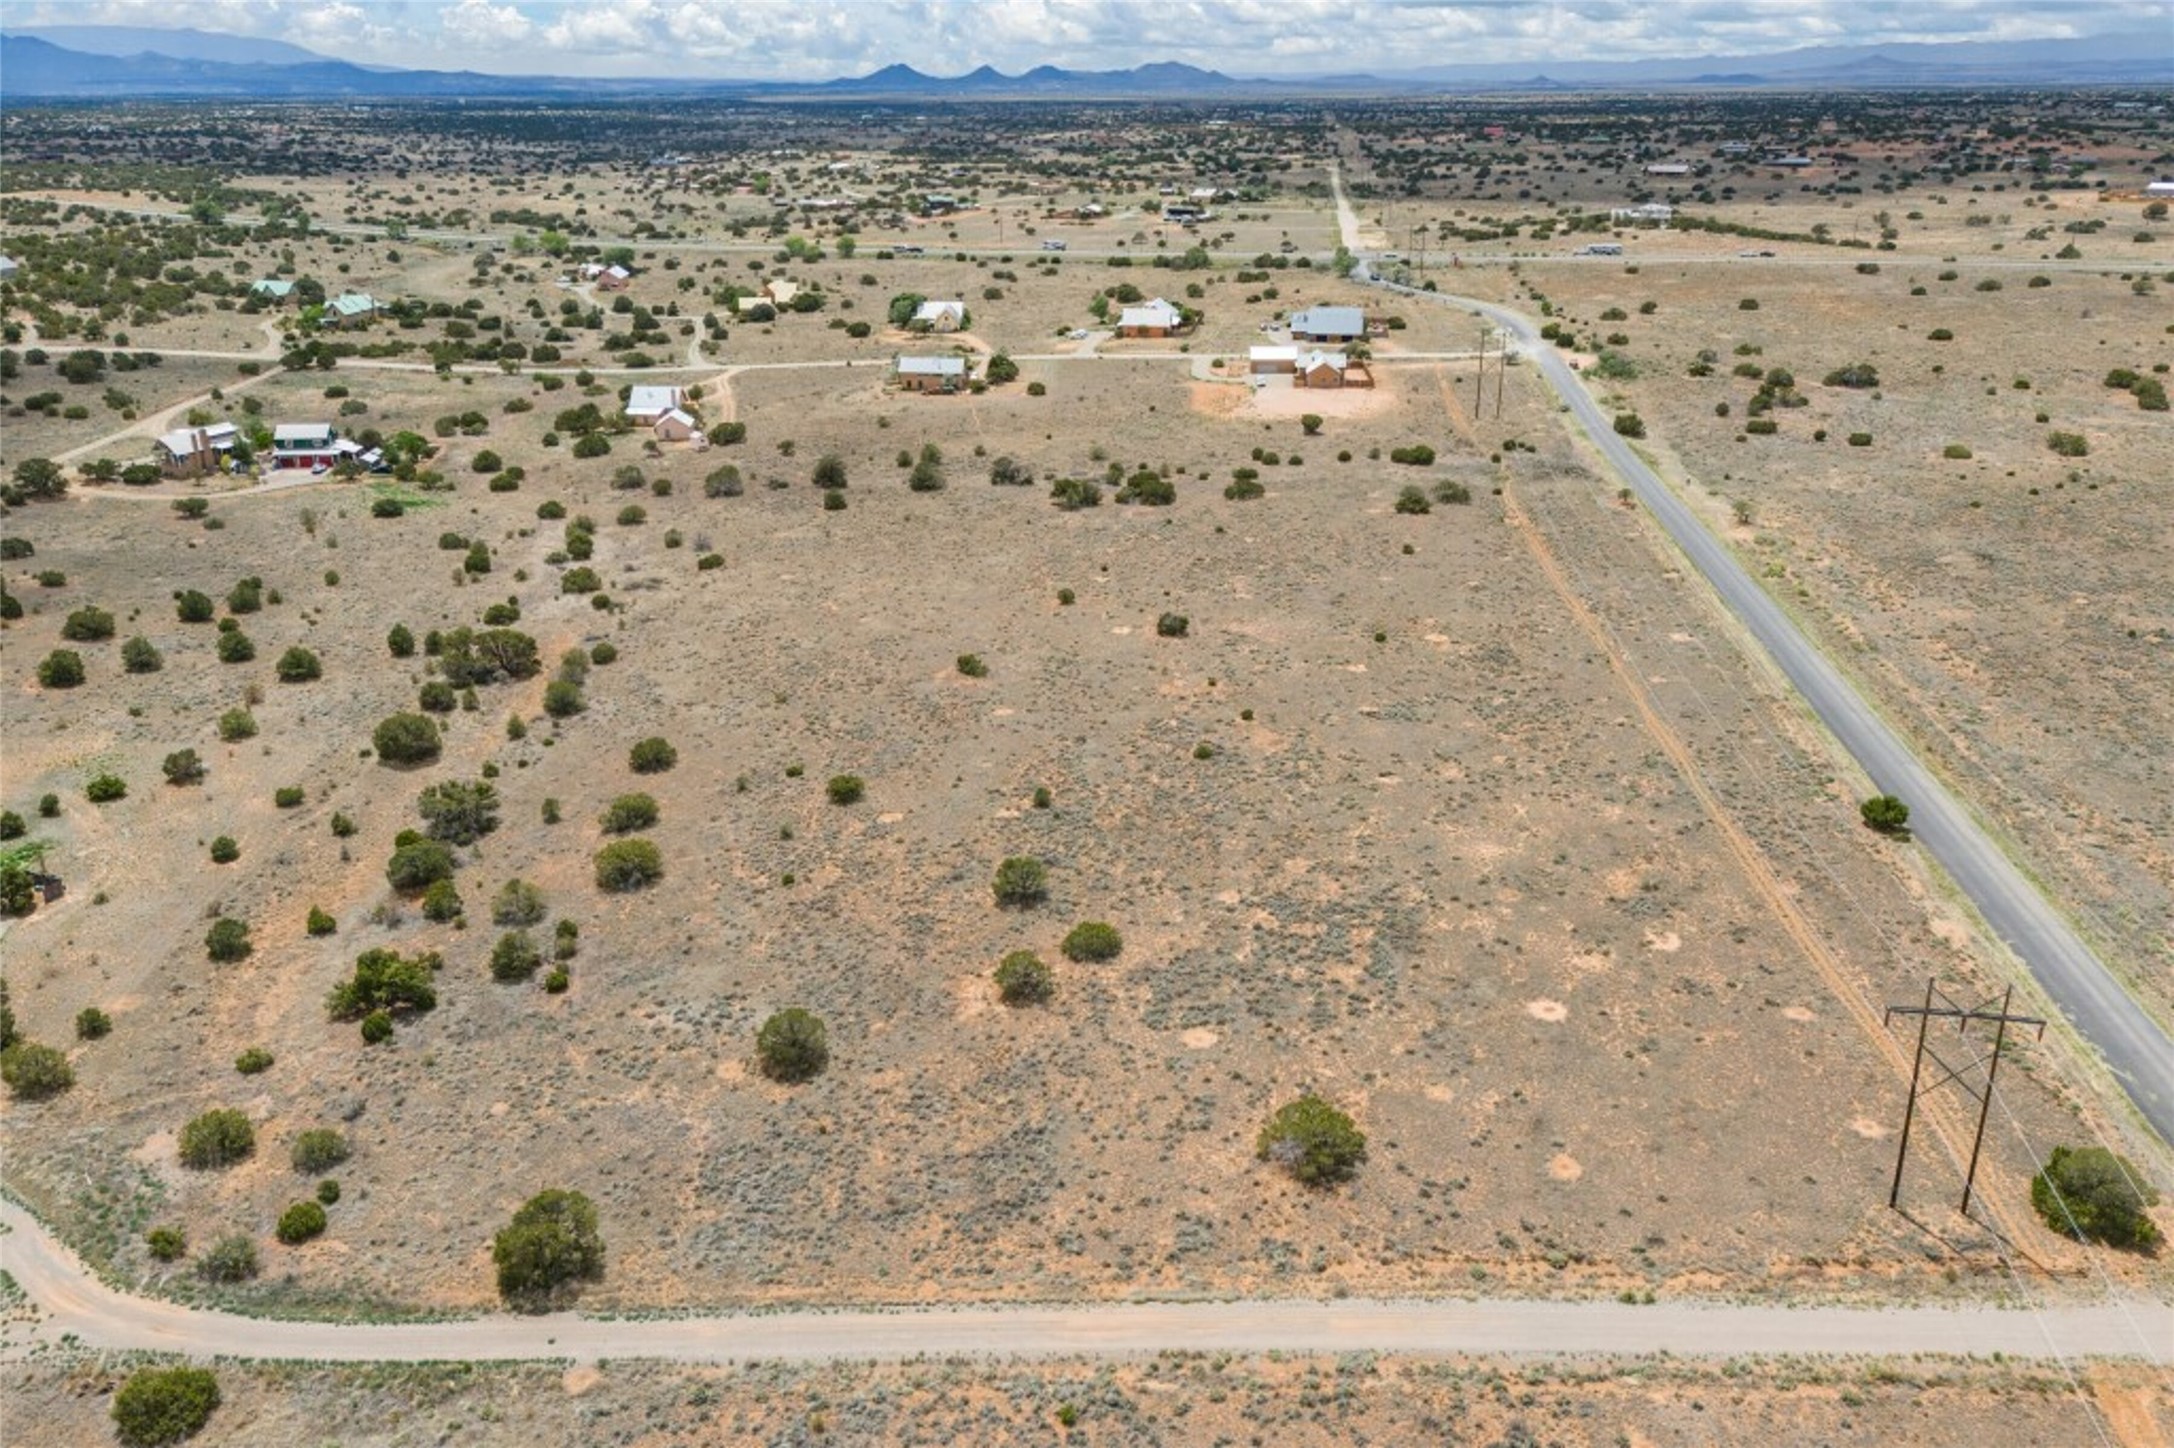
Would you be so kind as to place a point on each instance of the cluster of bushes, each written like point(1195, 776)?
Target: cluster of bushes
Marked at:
point(2149, 392)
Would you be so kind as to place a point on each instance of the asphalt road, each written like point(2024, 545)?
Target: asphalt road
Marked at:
point(100, 1317)
point(2138, 1052)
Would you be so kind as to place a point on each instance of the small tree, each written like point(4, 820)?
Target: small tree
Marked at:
point(300, 1222)
point(1412, 499)
point(218, 1138)
point(845, 789)
point(829, 472)
point(183, 766)
point(2093, 1195)
point(1311, 423)
point(460, 813)
point(61, 669)
point(1021, 880)
point(384, 981)
point(1312, 1140)
point(1000, 369)
point(227, 941)
point(1022, 979)
point(1173, 626)
point(792, 1045)
point(551, 1245)
point(1885, 813)
point(1630, 424)
point(515, 957)
point(417, 864)
point(1092, 940)
point(517, 903)
point(140, 656)
point(318, 1150)
point(625, 865)
point(406, 739)
point(1008, 472)
point(34, 1072)
point(652, 756)
point(157, 1406)
point(299, 666)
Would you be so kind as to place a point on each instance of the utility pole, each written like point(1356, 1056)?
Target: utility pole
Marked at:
point(1479, 383)
point(1502, 369)
point(1943, 1007)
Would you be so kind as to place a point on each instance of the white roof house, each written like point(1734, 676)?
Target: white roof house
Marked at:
point(1669, 168)
point(351, 304)
point(189, 441)
point(2154, 188)
point(277, 288)
point(648, 403)
point(1314, 360)
point(932, 366)
point(1654, 211)
point(1156, 313)
point(941, 316)
point(1271, 355)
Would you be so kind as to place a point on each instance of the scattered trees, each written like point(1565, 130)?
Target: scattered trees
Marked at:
point(1313, 1141)
point(460, 813)
point(625, 865)
point(386, 981)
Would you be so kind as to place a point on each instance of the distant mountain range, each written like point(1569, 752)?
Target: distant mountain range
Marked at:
point(103, 62)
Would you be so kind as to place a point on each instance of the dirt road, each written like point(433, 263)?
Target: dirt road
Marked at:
point(100, 1317)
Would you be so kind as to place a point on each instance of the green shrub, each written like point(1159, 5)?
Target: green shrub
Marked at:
point(418, 863)
point(34, 1072)
point(563, 699)
point(437, 697)
point(1630, 424)
point(441, 902)
point(92, 1024)
point(406, 739)
point(1022, 979)
point(551, 1244)
point(1858, 375)
point(235, 725)
point(384, 980)
point(61, 669)
point(459, 812)
point(300, 1222)
point(254, 1061)
point(629, 812)
point(1860, 439)
point(318, 1150)
point(288, 796)
point(515, 957)
point(845, 789)
point(1885, 813)
point(230, 1259)
point(328, 1191)
point(1172, 626)
point(218, 1138)
point(12, 825)
point(1418, 455)
point(183, 766)
point(625, 865)
point(1762, 427)
point(299, 666)
point(1956, 451)
point(105, 788)
point(87, 626)
point(400, 641)
point(2068, 444)
point(1092, 940)
point(1072, 494)
point(224, 850)
point(1313, 1141)
point(227, 940)
point(792, 1045)
point(972, 666)
point(235, 647)
point(165, 1244)
point(1413, 500)
point(517, 903)
point(1021, 880)
point(157, 1406)
point(377, 1028)
point(2095, 1196)
point(652, 756)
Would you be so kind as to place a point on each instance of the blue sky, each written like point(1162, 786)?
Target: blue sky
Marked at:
point(811, 39)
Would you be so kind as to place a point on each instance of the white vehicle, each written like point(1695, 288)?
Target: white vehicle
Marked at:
point(1602, 248)
point(1055, 243)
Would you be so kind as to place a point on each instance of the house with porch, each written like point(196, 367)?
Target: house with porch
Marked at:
point(1328, 324)
point(1153, 318)
point(192, 452)
point(305, 445)
point(1330, 369)
point(351, 307)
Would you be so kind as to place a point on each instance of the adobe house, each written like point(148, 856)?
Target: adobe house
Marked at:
point(931, 374)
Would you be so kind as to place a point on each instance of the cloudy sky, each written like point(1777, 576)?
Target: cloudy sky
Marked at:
point(809, 39)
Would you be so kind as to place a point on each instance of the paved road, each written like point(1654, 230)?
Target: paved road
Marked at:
point(2078, 982)
point(103, 1318)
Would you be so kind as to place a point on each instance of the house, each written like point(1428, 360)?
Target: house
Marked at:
point(1789, 163)
point(1668, 168)
point(939, 316)
point(936, 204)
point(191, 452)
point(304, 445)
point(646, 404)
point(931, 374)
point(9, 266)
point(350, 307)
point(1331, 369)
point(1186, 215)
point(613, 279)
point(1155, 318)
point(1652, 213)
point(676, 424)
point(2154, 190)
point(780, 292)
point(272, 289)
point(1269, 361)
point(1328, 324)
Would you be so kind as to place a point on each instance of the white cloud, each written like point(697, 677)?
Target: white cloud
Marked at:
point(479, 22)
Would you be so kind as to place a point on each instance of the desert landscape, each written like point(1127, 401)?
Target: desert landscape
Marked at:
point(463, 769)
